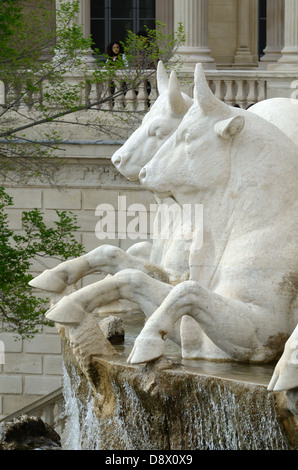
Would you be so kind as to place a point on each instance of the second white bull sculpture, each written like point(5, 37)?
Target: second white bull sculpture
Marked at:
point(243, 280)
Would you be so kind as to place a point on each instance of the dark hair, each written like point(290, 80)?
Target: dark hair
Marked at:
point(109, 50)
point(142, 34)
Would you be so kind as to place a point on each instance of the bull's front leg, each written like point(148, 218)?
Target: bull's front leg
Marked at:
point(285, 375)
point(106, 259)
point(128, 284)
point(241, 330)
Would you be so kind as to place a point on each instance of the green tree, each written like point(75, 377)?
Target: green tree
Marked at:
point(21, 312)
point(45, 76)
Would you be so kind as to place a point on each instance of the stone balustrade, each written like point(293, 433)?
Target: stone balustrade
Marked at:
point(235, 87)
point(238, 89)
point(49, 408)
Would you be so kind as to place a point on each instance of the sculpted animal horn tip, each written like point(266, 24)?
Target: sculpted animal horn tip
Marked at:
point(202, 93)
point(176, 100)
point(162, 78)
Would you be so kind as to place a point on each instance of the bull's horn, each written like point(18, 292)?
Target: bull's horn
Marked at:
point(162, 78)
point(178, 104)
point(202, 93)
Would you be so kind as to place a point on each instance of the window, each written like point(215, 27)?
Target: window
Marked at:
point(262, 27)
point(110, 19)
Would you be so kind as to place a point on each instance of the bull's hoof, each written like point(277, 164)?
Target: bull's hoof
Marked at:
point(273, 382)
point(283, 378)
point(50, 281)
point(67, 312)
point(146, 349)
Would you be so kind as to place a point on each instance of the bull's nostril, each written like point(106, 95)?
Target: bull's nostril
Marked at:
point(142, 174)
point(116, 160)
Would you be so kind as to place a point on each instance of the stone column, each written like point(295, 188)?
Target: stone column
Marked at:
point(193, 14)
point(165, 14)
point(275, 31)
point(289, 58)
point(244, 56)
point(83, 18)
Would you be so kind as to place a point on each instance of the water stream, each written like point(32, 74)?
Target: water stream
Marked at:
point(198, 405)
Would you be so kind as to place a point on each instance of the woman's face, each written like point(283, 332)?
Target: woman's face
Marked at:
point(116, 49)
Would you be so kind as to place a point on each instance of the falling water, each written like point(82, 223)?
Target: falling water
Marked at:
point(82, 431)
point(202, 413)
point(193, 405)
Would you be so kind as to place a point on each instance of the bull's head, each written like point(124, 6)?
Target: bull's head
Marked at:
point(157, 126)
point(197, 155)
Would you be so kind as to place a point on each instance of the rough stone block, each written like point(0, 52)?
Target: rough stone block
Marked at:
point(10, 384)
point(68, 200)
point(14, 219)
point(12, 403)
point(25, 198)
point(23, 363)
point(53, 365)
point(43, 344)
point(91, 198)
point(10, 343)
point(113, 328)
point(40, 385)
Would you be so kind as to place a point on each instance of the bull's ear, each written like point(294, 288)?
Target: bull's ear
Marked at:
point(178, 104)
point(162, 78)
point(229, 128)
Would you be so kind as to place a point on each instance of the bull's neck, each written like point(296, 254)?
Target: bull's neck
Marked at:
point(216, 207)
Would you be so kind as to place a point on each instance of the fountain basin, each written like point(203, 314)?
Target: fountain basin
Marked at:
point(176, 404)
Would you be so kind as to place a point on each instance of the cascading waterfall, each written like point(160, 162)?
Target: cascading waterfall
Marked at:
point(171, 410)
point(82, 431)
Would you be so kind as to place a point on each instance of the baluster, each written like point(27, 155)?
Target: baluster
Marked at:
point(29, 99)
point(142, 97)
point(92, 95)
point(119, 99)
point(211, 85)
point(218, 92)
point(252, 92)
point(37, 96)
point(230, 93)
point(88, 87)
point(106, 92)
point(130, 100)
point(153, 93)
point(262, 89)
point(240, 97)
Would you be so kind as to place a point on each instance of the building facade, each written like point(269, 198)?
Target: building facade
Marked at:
point(249, 49)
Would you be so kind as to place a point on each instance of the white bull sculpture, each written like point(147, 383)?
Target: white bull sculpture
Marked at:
point(167, 259)
point(151, 292)
point(242, 288)
point(282, 112)
point(159, 123)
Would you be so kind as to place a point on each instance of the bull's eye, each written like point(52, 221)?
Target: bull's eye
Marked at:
point(158, 128)
point(152, 129)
